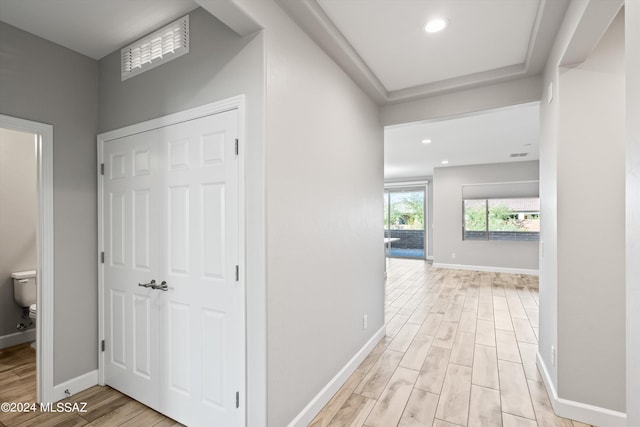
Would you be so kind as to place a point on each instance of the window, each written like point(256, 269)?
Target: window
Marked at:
point(404, 214)
point(169, 42)
point(502, 219)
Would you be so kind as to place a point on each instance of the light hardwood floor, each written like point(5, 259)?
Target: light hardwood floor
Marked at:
point(105, 406)
point(460, 350)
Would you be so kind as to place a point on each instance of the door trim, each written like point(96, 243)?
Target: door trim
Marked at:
point(44, 244)
point(235, 103)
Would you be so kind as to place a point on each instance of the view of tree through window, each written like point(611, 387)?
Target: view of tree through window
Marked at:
point(407, 211)
point(502, 219)
point(404, 222)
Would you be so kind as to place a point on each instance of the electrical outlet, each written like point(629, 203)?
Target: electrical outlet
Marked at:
point(453, 255)
point(553, 355)
point(365, 322)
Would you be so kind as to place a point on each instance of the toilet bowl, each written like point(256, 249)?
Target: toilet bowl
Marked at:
point(24, 293)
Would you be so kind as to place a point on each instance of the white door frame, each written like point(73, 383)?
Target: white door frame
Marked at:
point(235, 103)
point(44, 244)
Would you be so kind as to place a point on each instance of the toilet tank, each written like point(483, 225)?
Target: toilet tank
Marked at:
point(24, 287)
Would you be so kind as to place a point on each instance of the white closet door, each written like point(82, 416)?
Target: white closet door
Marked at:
point(194, 327)
point(131, 243)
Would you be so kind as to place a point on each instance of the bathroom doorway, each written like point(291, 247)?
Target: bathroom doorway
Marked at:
point(26, 148)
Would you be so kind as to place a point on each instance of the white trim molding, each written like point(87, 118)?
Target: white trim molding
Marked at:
point(321, 399)
point(17, 338)
point(486, 268)
point(578, 411)
point(75, 385)
point(44, 244)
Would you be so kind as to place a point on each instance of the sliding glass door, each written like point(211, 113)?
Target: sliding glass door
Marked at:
point(404, 222)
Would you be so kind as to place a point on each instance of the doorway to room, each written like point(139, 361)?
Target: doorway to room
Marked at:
point(27, 151)
point(404, 222)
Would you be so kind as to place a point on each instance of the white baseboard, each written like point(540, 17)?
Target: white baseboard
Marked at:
point(486, 268)
point(321, 399)
point(429, 258)
point(17, 338)
point(75, 385)
point(578, 411)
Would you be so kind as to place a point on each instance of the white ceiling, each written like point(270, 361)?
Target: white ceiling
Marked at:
point(379, 43)
point(93, 28)
point(389, 36)
point(382, 45)
point(490, 137)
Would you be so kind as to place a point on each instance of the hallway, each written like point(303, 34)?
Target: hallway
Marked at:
point(460, 350)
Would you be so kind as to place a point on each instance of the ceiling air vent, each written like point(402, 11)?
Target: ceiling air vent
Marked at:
point(519, 155)
point(164, 45)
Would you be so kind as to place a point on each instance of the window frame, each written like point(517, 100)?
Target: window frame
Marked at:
point(487, 231)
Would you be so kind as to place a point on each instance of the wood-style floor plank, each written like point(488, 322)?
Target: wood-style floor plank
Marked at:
point(514, 392)
point(420, 410)
point(374, 382)
point(353, 413)
point(104, 405)
point(454, 399)
point(434, 370)
point(417, 352)
point(389, 407)
point(484, 407)
point(333, 406)
point(483, 326)
point(458, 352)
point(485, 367)
point(507, 346)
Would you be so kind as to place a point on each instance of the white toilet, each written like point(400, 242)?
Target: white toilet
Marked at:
point(24, 291)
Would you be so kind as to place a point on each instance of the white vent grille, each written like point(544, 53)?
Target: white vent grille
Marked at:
point(166, 44)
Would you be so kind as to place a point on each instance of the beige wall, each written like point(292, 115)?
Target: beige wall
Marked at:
point(17, 219)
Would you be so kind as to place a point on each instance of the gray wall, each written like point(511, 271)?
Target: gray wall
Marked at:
point(44, 82)
point(219, 65)
point(591, 141)
point(17, 219)
point(447, 221)
point(324, 186)
point(581, 302)
point(632, 58)
point(430, 218)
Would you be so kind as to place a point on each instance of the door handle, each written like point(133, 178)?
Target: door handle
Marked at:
point(162, 286)
point(151, 284)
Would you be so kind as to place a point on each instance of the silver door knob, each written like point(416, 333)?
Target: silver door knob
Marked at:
point(151, 284)
point(162, 286)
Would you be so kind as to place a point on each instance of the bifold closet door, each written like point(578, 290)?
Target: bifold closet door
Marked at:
point(175, 345)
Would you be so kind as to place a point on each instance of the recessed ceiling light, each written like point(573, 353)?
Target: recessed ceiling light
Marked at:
point(426, 141)
point(435, 25)
point(445, 162)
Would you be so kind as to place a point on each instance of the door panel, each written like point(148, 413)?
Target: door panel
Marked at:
point(171, 214)
point(204, 298)
point(131, 257)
